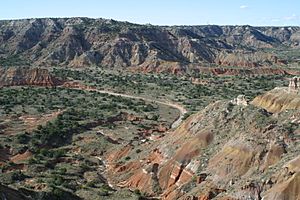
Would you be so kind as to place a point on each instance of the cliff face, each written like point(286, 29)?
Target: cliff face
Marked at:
point(26, 76)
point(80, 42)
point(220, 71)
point(226, 151)
point(278, 100)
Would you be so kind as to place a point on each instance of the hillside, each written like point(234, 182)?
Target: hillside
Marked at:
point(81, 42)
point(225, 151)
point(278, 100)
point(228, 150)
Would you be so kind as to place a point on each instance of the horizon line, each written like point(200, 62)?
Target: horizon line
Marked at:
point(137, 23)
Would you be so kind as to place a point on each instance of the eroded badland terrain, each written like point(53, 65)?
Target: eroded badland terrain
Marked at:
point(100, 109)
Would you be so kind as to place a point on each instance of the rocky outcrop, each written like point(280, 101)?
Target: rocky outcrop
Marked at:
point(245, 59)
point(240, 100)
point(274, 154)
point(81, 42)
point(278, 100)
point(287, 184)
point(21, 157)
point(294, 84)
point(221, 152)
point(27, 76)
point(222, 71)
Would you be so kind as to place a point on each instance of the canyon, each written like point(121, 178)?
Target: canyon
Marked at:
point(82, 42)
point(236, 149)
point(103, 109)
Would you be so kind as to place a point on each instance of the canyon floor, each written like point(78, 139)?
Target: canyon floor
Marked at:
point(95, 133)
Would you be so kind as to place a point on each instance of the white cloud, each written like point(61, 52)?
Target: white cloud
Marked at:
point(243, 6)
point(275, 20)
point(289, 18)
point(292, 17)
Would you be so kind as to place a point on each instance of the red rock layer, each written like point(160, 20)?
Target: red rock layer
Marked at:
point(26, 76)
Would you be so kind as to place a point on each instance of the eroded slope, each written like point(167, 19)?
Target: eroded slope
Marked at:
point(278, 100)
point(27, 76)
point(81, 42)
point(225, 150)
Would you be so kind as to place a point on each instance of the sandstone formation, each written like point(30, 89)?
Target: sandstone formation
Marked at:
point(278, 100)
point(221, 71)
point(281, 98)
point(294, 84)
point(289, 185)
point(80, 42)
point(221, 152)
point(27, 76)
point(240, 100)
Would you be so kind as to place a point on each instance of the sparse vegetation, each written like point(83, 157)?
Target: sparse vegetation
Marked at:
point(87, 124)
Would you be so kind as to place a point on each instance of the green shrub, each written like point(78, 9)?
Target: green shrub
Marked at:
point(18, 176)
point(127, 158)
point(138, 151)
point(32, 161)
point(104, 190)
point(137, 192)
point(23, 138)
point(63, 171)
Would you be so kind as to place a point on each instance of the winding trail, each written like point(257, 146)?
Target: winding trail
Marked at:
point(174, 125)
point(180, 108)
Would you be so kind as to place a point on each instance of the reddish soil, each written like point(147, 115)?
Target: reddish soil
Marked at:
point(21, 157)
point(31, 122)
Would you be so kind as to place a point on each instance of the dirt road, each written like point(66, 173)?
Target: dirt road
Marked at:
point(180, 108)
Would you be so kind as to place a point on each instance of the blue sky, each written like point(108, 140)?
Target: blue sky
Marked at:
point(162, 12)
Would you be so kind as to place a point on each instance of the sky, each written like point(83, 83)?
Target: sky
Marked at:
point(162, 12)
